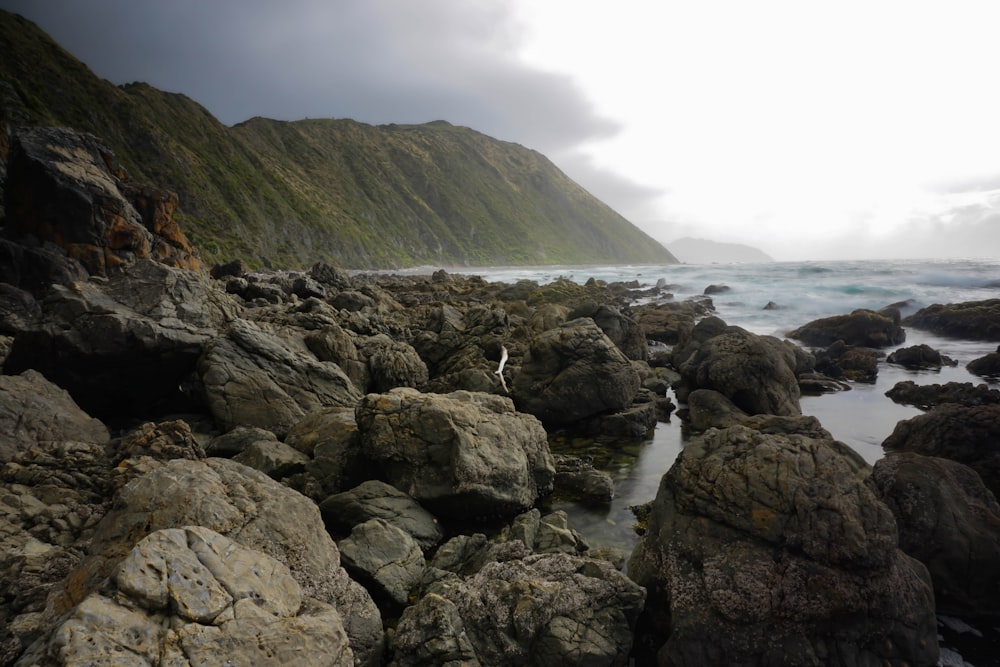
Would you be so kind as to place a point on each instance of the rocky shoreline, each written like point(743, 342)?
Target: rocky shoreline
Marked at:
point(313, 467)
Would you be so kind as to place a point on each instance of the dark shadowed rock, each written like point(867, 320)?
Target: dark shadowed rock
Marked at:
point(770, 549)
point(987, 366)
point(950, 522)
point(757, 373)
point(920, 357)
point(972, 320)
point(844, 362)
point(710, 409)
point(967, 434)
point(378, 500)
point(862, 327)
point(573, 372)
point(578, 479)
point(928, 396)
point(34, 268)
point(461, 455)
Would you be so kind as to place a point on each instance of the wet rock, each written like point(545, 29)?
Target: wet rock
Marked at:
point(950, 522)
point(579, 480)
point(987, 366)
point(190, 596)
point(928, 396)
point(843, 362)
point(574, 372)
point(971, 320)
point(967, 434)
point(252, 379)
point(757, 373)
point(920, 357)
point(861, 328)
point(461, 455)
point(745, 529)
point(716, 289)
point(378, 500)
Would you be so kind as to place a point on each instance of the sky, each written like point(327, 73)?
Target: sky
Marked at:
point(807, 129)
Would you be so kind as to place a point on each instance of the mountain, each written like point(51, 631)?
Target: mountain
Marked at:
point(703, 251)
point(293, 193)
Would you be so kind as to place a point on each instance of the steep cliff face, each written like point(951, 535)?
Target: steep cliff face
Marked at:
point(345, 192)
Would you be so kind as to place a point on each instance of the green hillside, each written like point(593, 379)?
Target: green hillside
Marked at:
point(292, 193)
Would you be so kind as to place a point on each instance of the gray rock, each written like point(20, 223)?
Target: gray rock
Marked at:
point(252, 378)
point(162, 441)
point(547, 609)
point(273, 458)
point(190, 596)
point(574, 372)
point(330, 437)
point(237, 439)
point(378, 500)
point(580, 480)
point(860, 328)
point(616, 325)
point(385, 557)
point(771, 549)
point(392, 364)
point(950, 522)
point(461, 455)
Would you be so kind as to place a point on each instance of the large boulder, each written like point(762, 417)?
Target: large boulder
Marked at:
point(987, 366)
point(190, 596)
point(245, 506)
point(920, 357)
point(949, 522)
point(967, 434)
point(618, 326)
point(861, 328)
point(546, 609)
point(971, 320)
point(757, 373)
point(770, 549)
point(385, 558)
point(573, 372)
point(68, 188)
point(378, 500)
point(252, 377)
point(128, 347)
point(461, 455)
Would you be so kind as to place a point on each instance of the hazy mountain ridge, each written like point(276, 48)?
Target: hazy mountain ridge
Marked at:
point(703, 251)
point(338, 190)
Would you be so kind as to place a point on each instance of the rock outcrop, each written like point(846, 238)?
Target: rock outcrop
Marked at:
point(769, 549)
point(860, 328)
point(972, 320)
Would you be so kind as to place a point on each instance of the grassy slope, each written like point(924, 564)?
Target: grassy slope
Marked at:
point(353, 194)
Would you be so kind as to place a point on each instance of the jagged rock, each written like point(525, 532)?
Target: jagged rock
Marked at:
point(920, 357)
point(336, 344)
point(252, 379)
point(162, 441)
point(190, 596)
point(554, 535)
point(574, 372)
point(928, 396)
point(580, 480)
point(35, 267)
point(971, 320)
point(543, 609)
point(67, 187)
point(950, 522)
point(330, 275)
point(967, 434)
point(378, 500)
point(18, 309)
point(616, 325)
point(246, 506)
point(860, 328)
point(770, 549)
point(392, 364)
point(987, 366)
point(128, 347)
point(330, 438)
point(840, 361)
point(462, 455)
point(757, 373)
point(384, 557)
point(669, 322)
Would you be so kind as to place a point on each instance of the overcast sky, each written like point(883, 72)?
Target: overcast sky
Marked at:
point(811, 130)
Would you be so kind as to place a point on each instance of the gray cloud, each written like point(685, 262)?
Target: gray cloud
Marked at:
point(376, 61)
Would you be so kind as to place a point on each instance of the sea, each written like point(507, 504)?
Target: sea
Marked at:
point(798, 292)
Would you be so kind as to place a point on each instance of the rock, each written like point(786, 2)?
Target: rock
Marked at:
point(574, 372)
point(861, 328)
point(716, 289)
point(553, 535)
point(128, 348)
point(247, 507)
point(336, 344)
point(190, 596)
point(392, 364)
point(841, 362)
point(163, 441)
point(770, 549)
point(668, 322)
point(34, 267)
point(252, 379)
point(710, 409)
point(928, 396)
point(971, 320)
point(578, 480)
point(987, 366)
point(967, 434)
point(384, 557)
point(233, 269)
point(545, 609)
point(18, 309)
point(950, 522)
point(273, 458)
point(67, 187)
point(378, 500)
point(757, 373)
point(461, 455)
point(616, 325)
point(233, 442)
point(814, 384)
point(920, 357)
point(330, 438)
